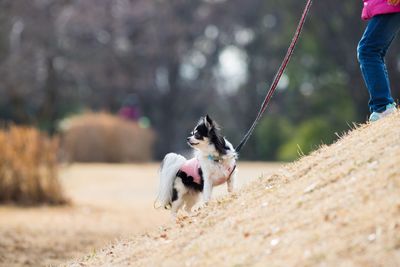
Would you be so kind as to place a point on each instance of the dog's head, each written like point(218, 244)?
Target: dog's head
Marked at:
point(206, 137)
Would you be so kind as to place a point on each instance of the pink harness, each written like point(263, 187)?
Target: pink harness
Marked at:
point(192, 166)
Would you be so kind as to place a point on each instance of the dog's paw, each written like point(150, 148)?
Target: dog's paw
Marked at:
point(231, 190)
point(200, 206)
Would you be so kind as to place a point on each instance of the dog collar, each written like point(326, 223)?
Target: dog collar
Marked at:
point(214, 158)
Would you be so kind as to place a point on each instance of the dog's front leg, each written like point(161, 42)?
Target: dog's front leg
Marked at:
point(206, 196)
point(231, 183)
point(207, 190)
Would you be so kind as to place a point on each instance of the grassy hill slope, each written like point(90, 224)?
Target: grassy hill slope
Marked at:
point(339, 206)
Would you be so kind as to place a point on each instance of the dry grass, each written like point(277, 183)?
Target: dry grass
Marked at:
point(339, 206)
point(110, 201)
point(28, 167)
point(102, 137)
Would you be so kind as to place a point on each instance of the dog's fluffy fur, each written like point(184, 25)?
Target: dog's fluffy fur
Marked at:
point(217, 162)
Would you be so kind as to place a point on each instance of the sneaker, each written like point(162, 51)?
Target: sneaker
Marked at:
point(390, 108)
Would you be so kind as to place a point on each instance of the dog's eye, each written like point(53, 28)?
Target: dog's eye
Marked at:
point(197, 135)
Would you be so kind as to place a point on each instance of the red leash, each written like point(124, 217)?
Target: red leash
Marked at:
point(282, 68)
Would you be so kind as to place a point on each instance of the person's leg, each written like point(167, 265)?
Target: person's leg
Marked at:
point(379, 34)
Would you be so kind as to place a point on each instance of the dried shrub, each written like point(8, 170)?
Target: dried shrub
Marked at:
point(28, 167)
point(101, 137)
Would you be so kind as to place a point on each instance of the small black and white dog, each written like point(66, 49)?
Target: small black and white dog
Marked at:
point(214, 163)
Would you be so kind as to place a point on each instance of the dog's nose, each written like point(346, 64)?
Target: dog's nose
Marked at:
point(187, 139)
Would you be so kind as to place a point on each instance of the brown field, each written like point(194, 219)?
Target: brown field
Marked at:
point(339, 206)
point(109, 202)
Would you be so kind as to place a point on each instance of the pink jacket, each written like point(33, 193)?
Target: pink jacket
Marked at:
point(377, 7)
point(191, 168)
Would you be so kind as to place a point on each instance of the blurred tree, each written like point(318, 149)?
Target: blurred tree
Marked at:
point(184, 59)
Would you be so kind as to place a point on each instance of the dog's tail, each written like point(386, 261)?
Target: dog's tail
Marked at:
point(169, 167)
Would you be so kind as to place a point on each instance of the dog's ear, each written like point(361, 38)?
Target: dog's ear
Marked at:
point(208, 122)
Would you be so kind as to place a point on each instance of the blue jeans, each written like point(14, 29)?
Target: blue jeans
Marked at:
point(371, 51)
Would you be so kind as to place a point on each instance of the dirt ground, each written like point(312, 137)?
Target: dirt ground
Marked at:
point(109, 202)
point(339, 206)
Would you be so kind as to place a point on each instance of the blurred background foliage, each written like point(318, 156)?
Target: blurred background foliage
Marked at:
point(163, 64)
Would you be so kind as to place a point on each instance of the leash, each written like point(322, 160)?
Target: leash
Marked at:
point(278, 75)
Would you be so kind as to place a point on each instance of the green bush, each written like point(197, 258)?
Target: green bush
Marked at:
point(307, 137)
point(271, 133)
